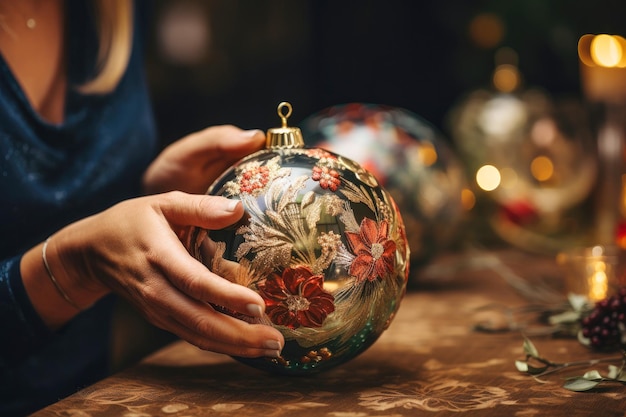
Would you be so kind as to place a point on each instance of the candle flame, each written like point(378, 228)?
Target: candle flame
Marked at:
point(602, 50)
point(598, 282)
point(606, 51)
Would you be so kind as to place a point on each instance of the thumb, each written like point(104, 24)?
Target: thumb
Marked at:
point(208, 212)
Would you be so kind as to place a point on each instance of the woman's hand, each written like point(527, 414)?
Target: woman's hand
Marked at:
point(195, 161)
point(134, 250)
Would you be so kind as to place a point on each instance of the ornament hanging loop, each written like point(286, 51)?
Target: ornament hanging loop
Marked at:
point(284, 116)
point(284, 137)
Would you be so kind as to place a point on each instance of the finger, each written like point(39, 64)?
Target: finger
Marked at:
point(208, 212)
point(219, 332)
point(171, 259)
point(226, 140)
point(195, 280)
point(188, 274)
point(203, 326)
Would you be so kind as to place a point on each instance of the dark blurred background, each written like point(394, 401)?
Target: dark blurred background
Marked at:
point(231, 61)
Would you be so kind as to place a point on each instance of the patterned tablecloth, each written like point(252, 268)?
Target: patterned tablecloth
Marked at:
point(430, 360)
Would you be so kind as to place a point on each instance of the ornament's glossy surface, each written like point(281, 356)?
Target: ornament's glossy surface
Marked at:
point(321, 242)
point(412, 161)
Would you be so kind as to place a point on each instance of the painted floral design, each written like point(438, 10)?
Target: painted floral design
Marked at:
point(320, 154)
point(296, 298)
point(305, 248)
point(327, 177)
point(329, 244)
point(254, 177)
point(375, 252)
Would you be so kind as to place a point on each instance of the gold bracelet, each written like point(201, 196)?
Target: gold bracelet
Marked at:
point(53, 279)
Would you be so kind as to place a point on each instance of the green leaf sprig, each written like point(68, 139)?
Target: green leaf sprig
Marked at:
point(561, 319)
point(538, 366)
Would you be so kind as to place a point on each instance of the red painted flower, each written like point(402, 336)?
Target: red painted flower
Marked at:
point(374, 251)
point(253, 179)
point(319, 154)
point(297, 298)
point(328, 178)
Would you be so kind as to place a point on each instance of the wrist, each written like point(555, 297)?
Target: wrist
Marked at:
point(56, 289)
point(54, 281)
point(69, 260)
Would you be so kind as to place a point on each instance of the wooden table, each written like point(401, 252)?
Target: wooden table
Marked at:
point(430, 360)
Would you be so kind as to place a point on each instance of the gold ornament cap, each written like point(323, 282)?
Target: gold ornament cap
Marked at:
point(284, 137)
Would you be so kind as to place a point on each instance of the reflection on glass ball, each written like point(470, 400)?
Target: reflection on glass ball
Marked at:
point(411, 160)
point(321, 242)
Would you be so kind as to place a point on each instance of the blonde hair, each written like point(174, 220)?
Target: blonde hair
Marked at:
point(115, 35)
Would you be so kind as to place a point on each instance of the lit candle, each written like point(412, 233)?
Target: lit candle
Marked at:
point(603, 67)
point(597, 281)
point(593, 272)
point(603, 78)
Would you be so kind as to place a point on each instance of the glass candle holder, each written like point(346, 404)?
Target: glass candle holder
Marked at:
point(595, 272)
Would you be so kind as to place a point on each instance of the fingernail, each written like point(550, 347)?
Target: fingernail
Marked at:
point(272, 353)
point(255, 310)
point(273, 344)
point(252, 133)
point(231, 205)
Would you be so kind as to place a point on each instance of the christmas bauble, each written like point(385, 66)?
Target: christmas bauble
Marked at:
point(534, 161)
point(410, 158)
point(321, 242)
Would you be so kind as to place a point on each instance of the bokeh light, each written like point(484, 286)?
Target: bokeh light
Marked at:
point(542, 168)
point(606, 51)
point(427, 154)
point(488, 177)
point(598, 281)
point(468, 199)
point(486, 30)
point(602, 50)
point(506, 78)
point(184, 33)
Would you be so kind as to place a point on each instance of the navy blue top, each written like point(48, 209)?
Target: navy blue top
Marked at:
point(52, 175)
